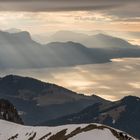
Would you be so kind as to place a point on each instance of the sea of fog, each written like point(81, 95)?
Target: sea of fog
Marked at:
point(112, 80)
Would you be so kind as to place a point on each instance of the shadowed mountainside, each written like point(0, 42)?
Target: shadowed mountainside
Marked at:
point(123, 114)
point(38, 101)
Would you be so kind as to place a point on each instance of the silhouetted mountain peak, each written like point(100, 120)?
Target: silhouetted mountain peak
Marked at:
point(67, 46)
point(100, 40)
point(68, 43)
point(129, 99)
point(13, 30)
point(107, 37)
point(102, 35)
point(23, 34)
point(11, 77)
point(3, 33)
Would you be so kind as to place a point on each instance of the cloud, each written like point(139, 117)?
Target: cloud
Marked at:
point(123, 11)
point(105, 80)
point(55, 5)
point(135, 84)
point(71, 5)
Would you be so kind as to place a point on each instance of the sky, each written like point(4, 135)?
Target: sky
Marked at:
point(39, 16)
point(117, 17)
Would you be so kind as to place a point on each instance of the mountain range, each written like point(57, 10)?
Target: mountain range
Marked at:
point(97, 40)
point(18, 131)
point(19, 50)
point(123, 114)
point(45, 104)
point(38, 101)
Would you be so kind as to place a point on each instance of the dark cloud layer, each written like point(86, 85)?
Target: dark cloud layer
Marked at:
point(120, 8)
point(52, 5)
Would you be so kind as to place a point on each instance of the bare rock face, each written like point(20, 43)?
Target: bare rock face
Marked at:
point(8, 112)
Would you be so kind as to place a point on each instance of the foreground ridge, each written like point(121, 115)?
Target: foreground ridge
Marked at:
point(12, 131)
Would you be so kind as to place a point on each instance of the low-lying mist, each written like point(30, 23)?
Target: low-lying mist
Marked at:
point(109, 80)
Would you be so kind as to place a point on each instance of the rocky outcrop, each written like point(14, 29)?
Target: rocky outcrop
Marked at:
point(8, 112)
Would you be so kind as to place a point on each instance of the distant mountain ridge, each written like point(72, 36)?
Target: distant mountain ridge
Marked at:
point(19, 50)
point(39, 101)
point(99, 40)
point(13, 30)
point(123, 114)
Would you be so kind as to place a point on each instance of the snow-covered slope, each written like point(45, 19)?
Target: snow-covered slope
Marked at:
point(12, 131)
